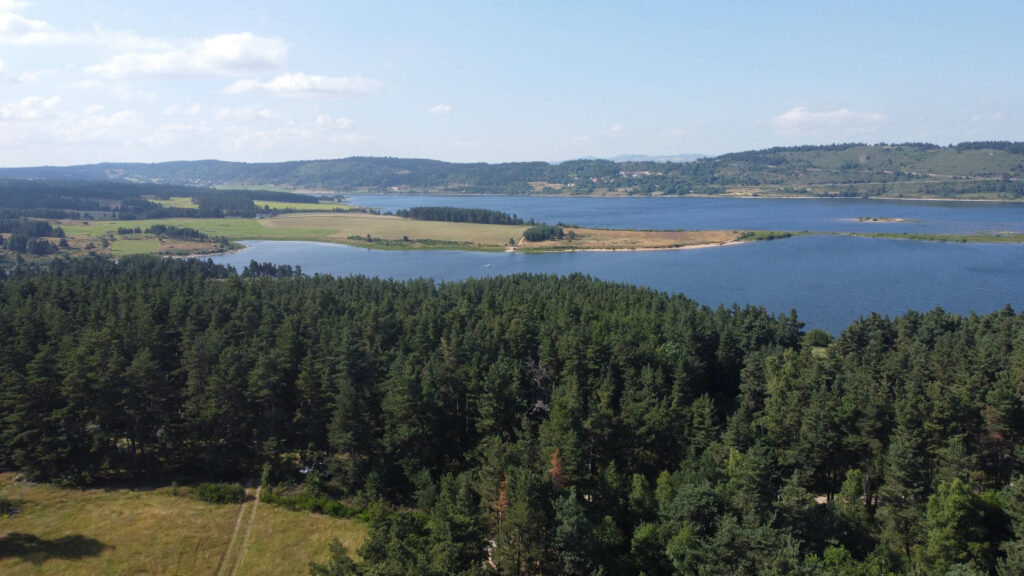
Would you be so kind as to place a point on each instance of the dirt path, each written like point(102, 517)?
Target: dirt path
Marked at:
point(232, 559)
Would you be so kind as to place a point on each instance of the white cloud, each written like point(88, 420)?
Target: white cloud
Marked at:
point(94, 126)
point(245, 113)
point(20, 31)
point(32, 77)
point(617, 128)
point(123, 40)
point(440, 109)
point(224, 55)
point(87, 85)
point(802, 118)
point(171, 134)
point(320, 132)
point(299, 84)
point(23, 78)
point(40, 122)
point(126, 92)
point(30, 108)
point(327, 122)
point(17, 30)
point(983, 117)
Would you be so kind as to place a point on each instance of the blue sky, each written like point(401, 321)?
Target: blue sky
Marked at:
point(85, 81)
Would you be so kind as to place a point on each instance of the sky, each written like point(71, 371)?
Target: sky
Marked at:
point(85, 81)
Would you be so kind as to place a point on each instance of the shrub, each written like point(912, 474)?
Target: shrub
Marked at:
point(541, 232)
point(308, 503)
point(220, 493)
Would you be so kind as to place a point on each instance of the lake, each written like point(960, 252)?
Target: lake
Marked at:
point(829, 280)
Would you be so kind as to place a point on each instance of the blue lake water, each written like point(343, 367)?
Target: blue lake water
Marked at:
point(835, 215)
point(830, 281)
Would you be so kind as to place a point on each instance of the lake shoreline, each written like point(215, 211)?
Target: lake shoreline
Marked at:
point(706, 196)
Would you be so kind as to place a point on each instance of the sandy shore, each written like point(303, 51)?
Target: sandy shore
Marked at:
point(649, 249)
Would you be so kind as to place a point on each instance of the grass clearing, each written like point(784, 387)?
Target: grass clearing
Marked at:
point(590, 239)
point(284, 542)
point(97, 531)
point(232, 228)
point(257, 187)
point(392, 232)
point(174, 202)
point(302, 207)
point(135, 246)
point(395, 228)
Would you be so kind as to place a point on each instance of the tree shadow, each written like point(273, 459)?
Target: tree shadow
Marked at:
point(36, 550)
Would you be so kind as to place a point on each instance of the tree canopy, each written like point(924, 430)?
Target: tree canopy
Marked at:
point(538, 424)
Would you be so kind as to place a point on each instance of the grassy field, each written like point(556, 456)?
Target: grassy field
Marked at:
point(301, 207)
point(175, 202)
point(266, 187)
point(85, 532)
point(128, 247)
point(232, 228)
point(392, 232)
point(342, 226)
point(186, 202)
point(589, 239)
point(284, 542)
point(398, 233)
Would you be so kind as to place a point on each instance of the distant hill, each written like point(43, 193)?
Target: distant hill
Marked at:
point(645, 158)
point(982, 170)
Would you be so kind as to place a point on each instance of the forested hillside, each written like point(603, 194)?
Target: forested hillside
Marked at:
point(983, 170)
point(128, 200)
point(532, 424)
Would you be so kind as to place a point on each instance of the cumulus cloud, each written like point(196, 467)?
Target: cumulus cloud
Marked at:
point(246, 113)
point(617, 128)
point(440, 109)
point(17, 30)
point(127, 93)
point(38, 121)
point(802, 118)
point(122, 40)
point(96, 126)
point(322, 131)
point(32, 77)
point(30, 108)
point(299, 84)
point(224, 55)
point(174, 133)
point(87, 85)
point(327, 121)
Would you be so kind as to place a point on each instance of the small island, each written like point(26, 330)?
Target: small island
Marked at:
point(882, 219)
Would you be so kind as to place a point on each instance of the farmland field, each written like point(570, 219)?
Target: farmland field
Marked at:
point(97, 531)
point(301, 206)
